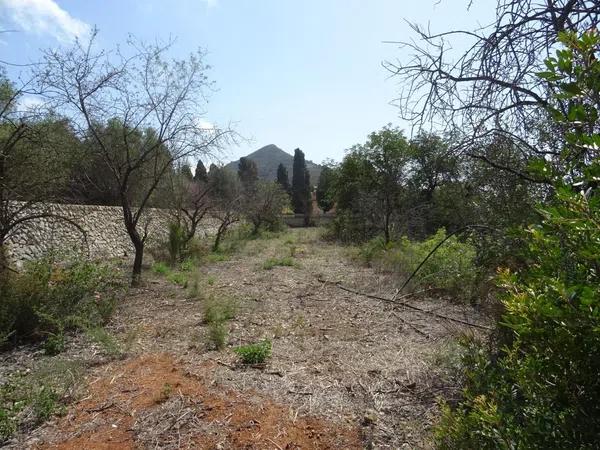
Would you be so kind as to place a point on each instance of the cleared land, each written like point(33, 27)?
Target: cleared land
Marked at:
point(346, 371)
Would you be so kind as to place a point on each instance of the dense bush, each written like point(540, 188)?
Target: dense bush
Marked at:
point(451, 268)
point(48, 298)
point(540, 388)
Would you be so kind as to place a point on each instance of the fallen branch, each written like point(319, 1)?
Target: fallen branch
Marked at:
point(409, 306)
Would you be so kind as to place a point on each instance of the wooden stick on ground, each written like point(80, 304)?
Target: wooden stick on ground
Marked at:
point(409, 306)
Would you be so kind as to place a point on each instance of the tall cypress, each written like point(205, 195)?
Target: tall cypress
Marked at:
point(283, 178)
point(248, 174)
point(299, 187)
point(200, 174)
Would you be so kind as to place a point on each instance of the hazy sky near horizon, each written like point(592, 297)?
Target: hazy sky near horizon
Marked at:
point(297, 73)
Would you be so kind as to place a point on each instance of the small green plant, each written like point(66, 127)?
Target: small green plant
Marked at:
point(187, 265)
point(254, 353)
point(54, 344)
point(161, 268)
point(216, 257)
point(219, 310)
point(107, 341)
point(217, 334)
point(176, 243)
point(165, 392)
point(178, 278)
point(7, 424)
point(37, 394)
point(46, 404)
point(274, 262)
point(210, 280)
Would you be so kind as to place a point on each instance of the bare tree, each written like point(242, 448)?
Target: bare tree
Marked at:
point(192, 202)
point(156, 103)
point(491, 88)
point(227, 198)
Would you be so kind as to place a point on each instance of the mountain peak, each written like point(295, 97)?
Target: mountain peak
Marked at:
point(269, 157)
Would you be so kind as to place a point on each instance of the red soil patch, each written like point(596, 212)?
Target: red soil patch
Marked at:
point(152, 402)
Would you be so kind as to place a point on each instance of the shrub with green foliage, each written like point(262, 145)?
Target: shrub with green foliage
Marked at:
point(541, 388)
point(219, 310)
point(216, 315)
point(48, 298)
point(254, 353)
point(451, 268)
point(176, 243)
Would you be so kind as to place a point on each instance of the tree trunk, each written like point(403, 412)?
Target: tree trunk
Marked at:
point(136, 273)
point(4, 263)
point(218, 237)
point(386, 224)
point(136, 240)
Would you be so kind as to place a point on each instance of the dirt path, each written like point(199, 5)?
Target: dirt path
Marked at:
point(346, 371)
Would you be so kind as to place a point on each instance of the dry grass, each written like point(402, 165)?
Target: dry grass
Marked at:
point(356, 362)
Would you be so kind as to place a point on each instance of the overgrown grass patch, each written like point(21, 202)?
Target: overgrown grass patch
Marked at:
point(451, 268)
point(286, 261)
point(109, 344)
point(28, 399)
point(161, 268)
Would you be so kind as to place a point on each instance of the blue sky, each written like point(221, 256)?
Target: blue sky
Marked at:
point(302, 74)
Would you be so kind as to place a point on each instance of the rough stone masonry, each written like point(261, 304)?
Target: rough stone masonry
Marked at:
point(95, 231)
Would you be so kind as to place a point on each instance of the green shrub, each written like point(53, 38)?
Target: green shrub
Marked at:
point(107, 341)
point(451, 268)
point(254, 353)
point(540, 388)
point(48, 298)
point(45, 404)
point(176, 242)
point(161, 268)
point(54, 344)
point(187, 265)
point(178, 278)
point(274, 262)
point(217, 334)
point(219, 310)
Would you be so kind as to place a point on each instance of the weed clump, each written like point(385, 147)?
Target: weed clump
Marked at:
point(270, 263)
point(254, 353)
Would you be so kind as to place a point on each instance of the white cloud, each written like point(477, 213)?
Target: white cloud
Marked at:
point(45, 17)
point(30, 103)
point(204, 124)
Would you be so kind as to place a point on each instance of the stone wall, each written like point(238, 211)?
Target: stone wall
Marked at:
point(99, 232)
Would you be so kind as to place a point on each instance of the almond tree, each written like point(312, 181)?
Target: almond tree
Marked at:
point(157, 103)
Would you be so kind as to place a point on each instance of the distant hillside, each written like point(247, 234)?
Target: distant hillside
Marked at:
point(268, 159)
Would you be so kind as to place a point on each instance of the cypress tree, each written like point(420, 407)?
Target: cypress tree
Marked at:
point(299, 186)
point(201, 174)
point(307, 198)
point(283, 178)
point(248, 174)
